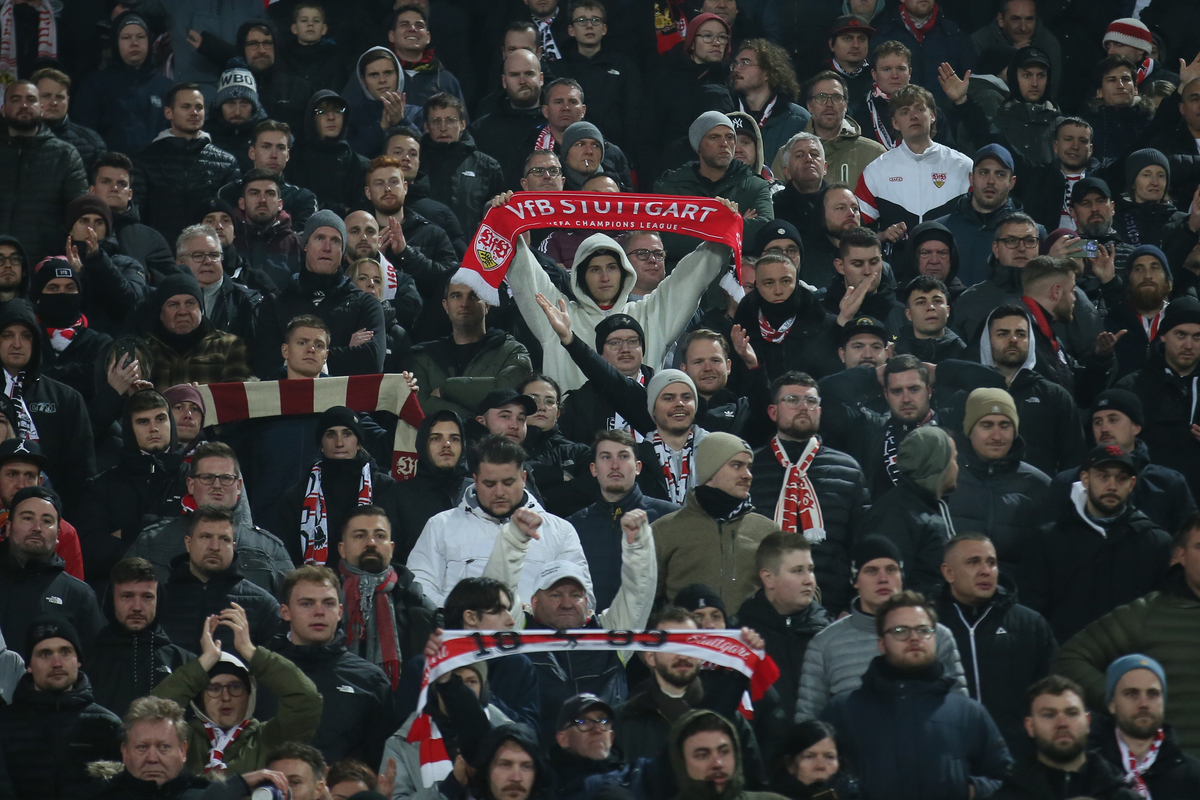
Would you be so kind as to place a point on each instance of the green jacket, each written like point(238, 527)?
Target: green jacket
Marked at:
point(296, 721)
point(499, 364)
point(739, 184)
point(1163, 625)
point(687, 540)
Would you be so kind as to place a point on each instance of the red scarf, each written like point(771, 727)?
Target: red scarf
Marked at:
point(495, 242)
point(422, 64)
point(218, 743)
point(1135, 769)
point(1144, 69)
point(384, 617)
point(232, 402)
point(314, 514)
point(60, 338)
point(431, 750)
point(772, 335)
point(545, 140)
point(797, 509)
point(1043, 322)
point(919, 31)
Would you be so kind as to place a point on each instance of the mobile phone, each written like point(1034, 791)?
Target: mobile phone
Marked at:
point(1090, 248)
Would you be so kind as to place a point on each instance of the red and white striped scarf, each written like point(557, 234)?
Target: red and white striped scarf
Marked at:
point(47, 37)
point(232, 402)
point(677, 483)
point(60, 338)
point(545, 139)
point(431, 750)
point(918, 31)
point(218, 743)
point(797, 509)
point(1134, 768)
point(770, 334)
point(314, 514)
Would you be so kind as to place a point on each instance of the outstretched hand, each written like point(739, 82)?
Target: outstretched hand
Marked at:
point(852, 301)
point(954, 86)
point(1106, 342)
point(559, 318)
point(742, 346)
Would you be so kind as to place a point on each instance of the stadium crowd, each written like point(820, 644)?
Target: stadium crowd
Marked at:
point(275, 438)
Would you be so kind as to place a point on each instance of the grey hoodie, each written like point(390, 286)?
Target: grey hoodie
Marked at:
point(12, 667)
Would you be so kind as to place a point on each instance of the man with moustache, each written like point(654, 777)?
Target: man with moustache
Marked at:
point(1062, 768)
point(908, 732)
point(1139, 308)
point(1125, 552)
point(1134, 740)
point(809, 487)
point(131, 654)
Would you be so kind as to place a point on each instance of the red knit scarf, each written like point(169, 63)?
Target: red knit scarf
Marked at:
point(60, 338)
point(797, 509)
point(770, 334)
point(1136, 769)
point(218, 742)
point(1041, 320)
point(384, 614)
point(495, 242)
point(314, 514)
point(423, 64)
point(919, 31)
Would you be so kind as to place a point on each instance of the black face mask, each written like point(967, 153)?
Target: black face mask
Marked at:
point(58, 310)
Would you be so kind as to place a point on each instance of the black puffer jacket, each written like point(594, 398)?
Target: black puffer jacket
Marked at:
point(142, 243)
point(235, 310)
point(40, 175)
point(1077, 573)
point(86, 141)
point(345, 309)
point(552, 456)
point(1162, 494)
point(918, 523)
point(787, 639)
point(502, 135)
point(173, 176)
point(43, 587)
point(60, 415)
point(1033, 780)
point(114, 284)
point(933, 351)
point(185, 602)
point(126, 665)
point(184, 786)
point(1005, 647)
point(1169, 409)
point(359, 714)
point(1004, 499)
point(329, 168)
point(841, 491)
point(810, 344)
point(461, 176)
point(48, 739)
point(912, 738)
point(139, 491)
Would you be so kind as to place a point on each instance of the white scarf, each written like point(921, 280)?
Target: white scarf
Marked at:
point(47, 37)
point(798, 508)
point(679, 478)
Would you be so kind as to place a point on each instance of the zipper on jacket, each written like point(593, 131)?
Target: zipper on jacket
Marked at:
point(974, 651)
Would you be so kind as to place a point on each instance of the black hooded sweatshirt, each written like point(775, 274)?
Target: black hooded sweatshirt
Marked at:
point(139, 491)
point(431, 491)
point(59, 413)
point(329, 168)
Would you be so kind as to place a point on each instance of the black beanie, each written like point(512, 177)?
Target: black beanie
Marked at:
point(698, 595)
point(213, 205)
point(340, 416)
point(48, 270)
point(51, 626)
point(871, 548)
point(1181, 311)
point(1121, 400)
point(177, 284)
point(617, 322)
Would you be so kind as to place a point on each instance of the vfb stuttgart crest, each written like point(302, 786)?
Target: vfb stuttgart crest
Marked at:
point(939, 179)
point(491, 248)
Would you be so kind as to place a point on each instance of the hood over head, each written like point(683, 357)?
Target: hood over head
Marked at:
point(589, 247)
point(310, 114)
point(424, 465)
point(926, 231)
point(21, 312)
point(490, 744)
point(26, 267)
point(744, 124)
point(374, 54)
point(985, 343)
point(693, 722)
point(1024, 57)
point(924, 455)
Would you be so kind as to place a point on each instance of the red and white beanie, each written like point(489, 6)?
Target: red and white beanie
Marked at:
point(1131, 32)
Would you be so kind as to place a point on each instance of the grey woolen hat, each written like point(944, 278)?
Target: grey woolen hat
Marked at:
point(324, 219)
point(661, 380)
point(705, 123)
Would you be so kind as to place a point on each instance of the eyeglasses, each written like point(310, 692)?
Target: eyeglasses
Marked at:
point(543, 402)
point(1013, 242)
point(642, 254)
point(588, 22)
point(260, 44)
point(12, 261)
point(709, 38)
point(443, 122)
point(208, 478)
point(790, 252)
point(796, 400)
point(823, 99)
point(585, 725)
point(904, 632)
point(234, 688)
point(199, 257)
point(745, 62)
point(617, 344)
point(544, 172)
